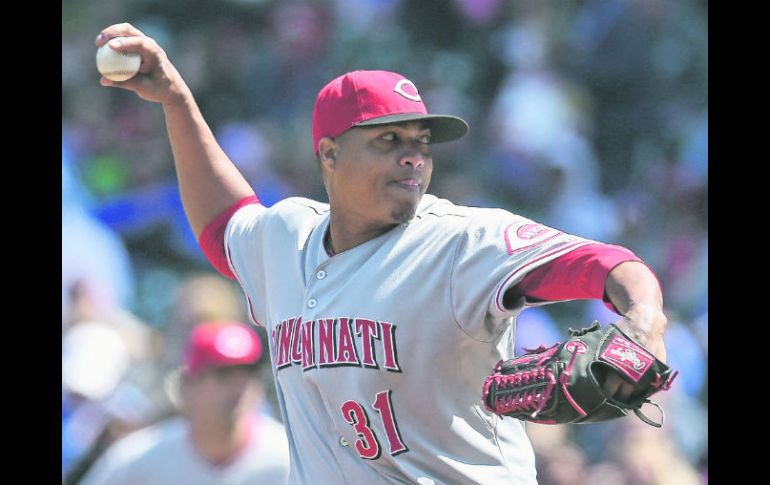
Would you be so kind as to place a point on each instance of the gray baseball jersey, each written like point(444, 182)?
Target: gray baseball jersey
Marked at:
point(379, 352)
point(163, 454)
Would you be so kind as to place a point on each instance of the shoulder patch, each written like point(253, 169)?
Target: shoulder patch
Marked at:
point(519, 237)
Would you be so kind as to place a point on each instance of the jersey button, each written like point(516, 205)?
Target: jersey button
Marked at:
point(343, 441)
point(321, 275)
point(311, 303)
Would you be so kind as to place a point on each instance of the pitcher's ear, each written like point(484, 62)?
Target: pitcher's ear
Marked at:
point(327, 151)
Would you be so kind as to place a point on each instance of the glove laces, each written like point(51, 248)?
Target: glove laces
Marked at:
point(530, 390)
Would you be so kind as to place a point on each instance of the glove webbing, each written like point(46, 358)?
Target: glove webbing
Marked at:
point(519, 391)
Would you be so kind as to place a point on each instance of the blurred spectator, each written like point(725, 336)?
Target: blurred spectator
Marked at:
point(687, 423)
point(695, 146)
point(221, 437)
point(104, 347)
point(97, 276)
point(100, 397)
point(155, 356)
point(701, 329)
point(687, 356)
point(197, 298)
point(538, 118)
point(649, 457)
point(94, 359)
point(249, 149)
point(564, 465)
point(605, 472)
point(558, 460)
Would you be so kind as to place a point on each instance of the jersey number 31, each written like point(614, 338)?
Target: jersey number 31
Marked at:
point(367, 444)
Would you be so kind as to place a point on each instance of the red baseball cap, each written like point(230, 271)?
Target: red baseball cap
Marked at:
point(366, 98)
point(221, 344)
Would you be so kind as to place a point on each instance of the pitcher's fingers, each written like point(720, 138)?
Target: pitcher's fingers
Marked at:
point(146, 47)
point(117, 30)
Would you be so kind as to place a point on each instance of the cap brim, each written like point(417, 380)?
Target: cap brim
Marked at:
point(443, 128)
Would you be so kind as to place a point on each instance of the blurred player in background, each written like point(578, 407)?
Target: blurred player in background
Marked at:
point(221, 436)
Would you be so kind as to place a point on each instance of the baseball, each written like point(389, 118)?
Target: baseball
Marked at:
point(117, 66)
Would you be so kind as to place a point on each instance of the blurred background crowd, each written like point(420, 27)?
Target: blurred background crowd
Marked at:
point(589, 116)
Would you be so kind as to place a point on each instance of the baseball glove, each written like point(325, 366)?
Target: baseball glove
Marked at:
point(563, 383)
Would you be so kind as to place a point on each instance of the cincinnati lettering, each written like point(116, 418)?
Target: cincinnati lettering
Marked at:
point(335, 342)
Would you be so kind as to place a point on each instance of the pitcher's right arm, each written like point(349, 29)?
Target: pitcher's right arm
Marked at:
point(209, 182)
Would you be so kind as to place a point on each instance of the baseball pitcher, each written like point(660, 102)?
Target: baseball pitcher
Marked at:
point(391, 312)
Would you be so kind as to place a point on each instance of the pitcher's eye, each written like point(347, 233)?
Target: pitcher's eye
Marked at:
point(389, 136)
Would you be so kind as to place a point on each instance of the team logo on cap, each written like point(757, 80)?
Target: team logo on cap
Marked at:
point(233, 342)
point(407, 83)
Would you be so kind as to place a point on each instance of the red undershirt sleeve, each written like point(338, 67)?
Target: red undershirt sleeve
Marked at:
point(212, 239)
point(579, 274)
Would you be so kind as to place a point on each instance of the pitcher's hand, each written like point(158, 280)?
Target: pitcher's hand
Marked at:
point(158, 80)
